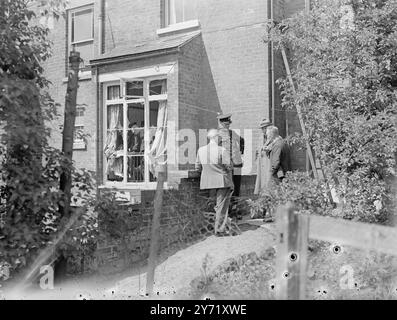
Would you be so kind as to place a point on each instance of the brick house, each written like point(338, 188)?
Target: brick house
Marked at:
point(151, 63)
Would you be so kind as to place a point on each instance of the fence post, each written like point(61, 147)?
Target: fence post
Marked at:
point(155, 231)
point(292, 243)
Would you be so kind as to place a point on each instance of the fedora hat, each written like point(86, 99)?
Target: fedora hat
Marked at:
point(225, 117)
point(264, 123)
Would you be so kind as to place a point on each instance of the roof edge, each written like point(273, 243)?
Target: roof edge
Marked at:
point(135, 56)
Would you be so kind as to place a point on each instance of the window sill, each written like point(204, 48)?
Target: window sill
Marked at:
point(179, 27)
point(133, 186)
point(85, 75)
point(79, 146)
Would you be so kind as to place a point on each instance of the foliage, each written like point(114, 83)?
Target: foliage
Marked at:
point(30, 167)
point(309, 195)
point(250, 276)
point(343, 62)
point(247, 276)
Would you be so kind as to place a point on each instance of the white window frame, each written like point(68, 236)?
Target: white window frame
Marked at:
point(79, 144)
point(70, 14)
point(172, 27)
point(146, 184)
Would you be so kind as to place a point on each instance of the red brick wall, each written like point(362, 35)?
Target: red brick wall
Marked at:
point(181, 222)
point(233, 33)
point(129, 21)
point(224, 70)
point(55, 69)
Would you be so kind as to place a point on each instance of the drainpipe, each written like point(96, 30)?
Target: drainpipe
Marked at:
point(272, 68)
point(99, 134)
point(307, 6)
point(271, 64)
point(307, 11)
point(98, 95)
point(100, 26)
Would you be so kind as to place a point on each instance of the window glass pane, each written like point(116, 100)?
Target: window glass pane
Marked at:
point(181, 10)
point(113, 93)
point(114, 146)
point(78, 133)
point(80, 112)
point(115, 117)
point(115, 168)
point(86, 51)
point(158, 87)
point(134, 89)
point(136, 131)
point(190, 10)
point(154, 111)
point(82, 25)
point(136, 115)
point(136, 169)
point(178, 10)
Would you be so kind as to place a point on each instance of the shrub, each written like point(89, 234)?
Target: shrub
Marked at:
point(346, 85)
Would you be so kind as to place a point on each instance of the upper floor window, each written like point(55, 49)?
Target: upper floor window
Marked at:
point(177, 11)
point(81, 32)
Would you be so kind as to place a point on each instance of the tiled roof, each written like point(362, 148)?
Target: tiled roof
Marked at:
point(162, 44)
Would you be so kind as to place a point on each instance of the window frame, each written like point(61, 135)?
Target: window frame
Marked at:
point(124, 101)
point(79, 144)
point(167, 27)
point(70, 43)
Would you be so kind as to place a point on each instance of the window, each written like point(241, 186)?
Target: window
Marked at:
point(81, 33)
point(135, 121)
point(78, 135)
point(177, 11)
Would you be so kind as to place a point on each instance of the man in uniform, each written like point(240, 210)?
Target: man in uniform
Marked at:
point(234, 144)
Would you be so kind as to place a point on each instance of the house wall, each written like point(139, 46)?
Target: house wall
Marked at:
point(55, 71)
point(224, 70)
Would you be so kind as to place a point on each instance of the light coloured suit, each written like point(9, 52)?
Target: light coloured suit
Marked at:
point(215, 166)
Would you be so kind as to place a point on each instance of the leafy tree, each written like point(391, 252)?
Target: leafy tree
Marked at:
point(30, 167)
point(343, 58)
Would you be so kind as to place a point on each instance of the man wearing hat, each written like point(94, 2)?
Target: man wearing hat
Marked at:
point(215, 166)
point(234, 144)
point(263, 159)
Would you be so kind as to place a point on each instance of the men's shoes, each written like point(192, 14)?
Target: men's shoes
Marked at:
point(222, 234)
point(268, 219)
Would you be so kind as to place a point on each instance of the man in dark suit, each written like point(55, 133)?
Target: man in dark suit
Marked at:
point(279, 154)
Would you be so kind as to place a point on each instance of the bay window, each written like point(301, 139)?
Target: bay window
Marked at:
point(135, 121)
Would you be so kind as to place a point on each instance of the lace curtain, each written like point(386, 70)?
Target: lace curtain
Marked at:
point(114, 163)
point(157, 151)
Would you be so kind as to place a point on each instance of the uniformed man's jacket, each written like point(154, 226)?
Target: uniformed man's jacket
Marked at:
point(234, 144)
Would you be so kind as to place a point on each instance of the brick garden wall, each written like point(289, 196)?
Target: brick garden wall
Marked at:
point(182, 222)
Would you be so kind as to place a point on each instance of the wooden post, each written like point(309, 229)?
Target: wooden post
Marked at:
point(68, 128)
point(155, 232)
point(298, 109)
point(309, 153)
point(307, 6)
point(291, 263)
